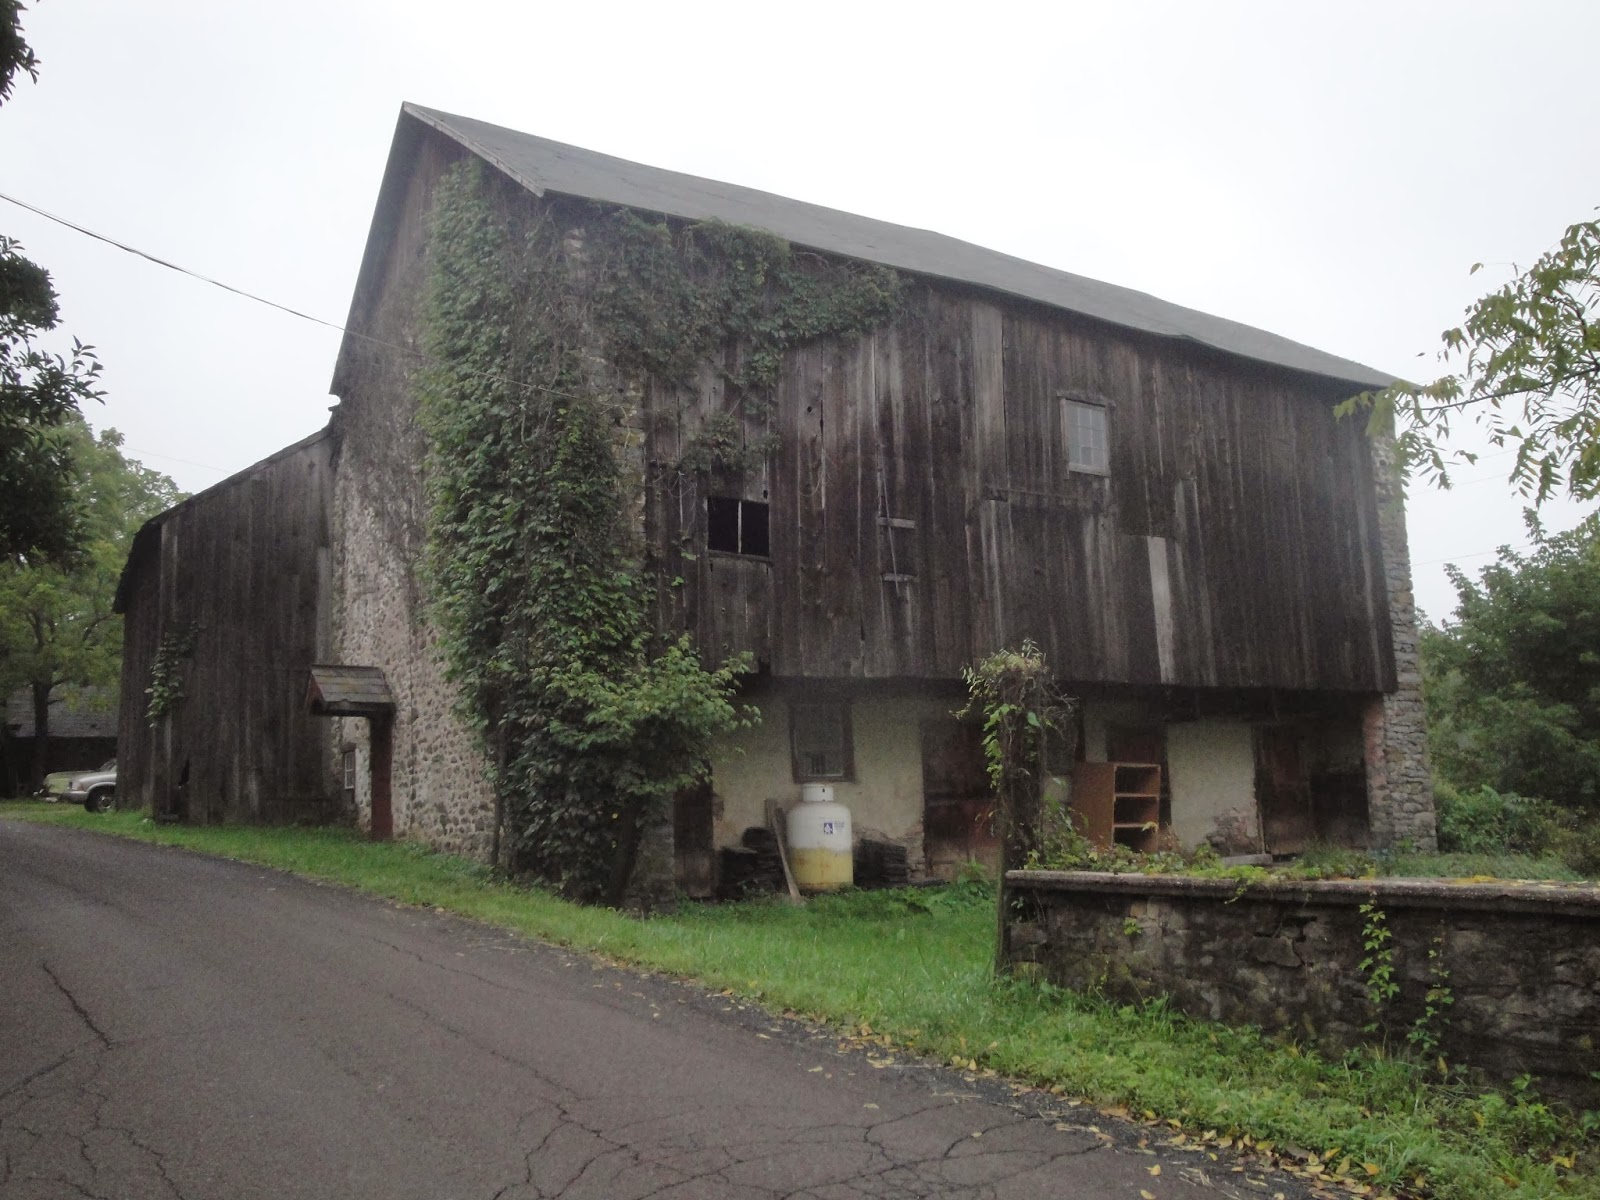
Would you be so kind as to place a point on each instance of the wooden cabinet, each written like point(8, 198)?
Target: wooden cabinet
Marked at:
point(1118, 804)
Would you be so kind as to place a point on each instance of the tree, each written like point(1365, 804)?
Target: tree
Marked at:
point(1512, 684)
point(15, 53)
point(1527, 372)
point(58, 634)
point(40, 391)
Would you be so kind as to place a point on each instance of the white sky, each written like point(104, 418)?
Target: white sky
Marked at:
point(1328, 172)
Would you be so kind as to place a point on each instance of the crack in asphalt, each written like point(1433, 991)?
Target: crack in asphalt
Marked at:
point(76, 1007)
point(489, 1096)
point(81, 1141)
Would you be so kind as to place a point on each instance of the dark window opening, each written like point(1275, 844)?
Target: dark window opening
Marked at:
point(737, 526)
point(820, 741)
point(897, 549)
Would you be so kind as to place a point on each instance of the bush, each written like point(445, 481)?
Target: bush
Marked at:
point(1489, 822)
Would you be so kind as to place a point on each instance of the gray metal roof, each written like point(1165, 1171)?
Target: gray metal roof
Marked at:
point(89, 713)
point(542, 165)
point(339, 690)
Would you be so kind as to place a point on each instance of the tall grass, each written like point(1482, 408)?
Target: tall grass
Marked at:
point(914, 967)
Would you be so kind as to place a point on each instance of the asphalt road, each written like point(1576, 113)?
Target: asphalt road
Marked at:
point(177, 1026)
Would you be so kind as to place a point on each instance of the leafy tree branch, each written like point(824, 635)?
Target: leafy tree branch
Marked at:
point(1525, 369)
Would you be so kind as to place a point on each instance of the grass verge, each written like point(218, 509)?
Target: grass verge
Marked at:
point(914, 968)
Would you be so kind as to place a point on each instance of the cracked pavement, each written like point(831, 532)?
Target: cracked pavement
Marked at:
point(173, 1026)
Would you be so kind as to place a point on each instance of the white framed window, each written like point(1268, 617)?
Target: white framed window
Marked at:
point(1088, 437)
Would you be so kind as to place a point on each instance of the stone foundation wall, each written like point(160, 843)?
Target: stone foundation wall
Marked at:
point(441, 795)
point(1399, 778)
point(1522, 963)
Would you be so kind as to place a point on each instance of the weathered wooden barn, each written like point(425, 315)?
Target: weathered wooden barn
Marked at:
point(1162, 499)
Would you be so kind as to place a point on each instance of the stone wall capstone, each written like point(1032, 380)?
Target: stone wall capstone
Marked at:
point(1521, 962)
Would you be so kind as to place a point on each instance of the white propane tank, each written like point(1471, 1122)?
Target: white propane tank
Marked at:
point(819, 840)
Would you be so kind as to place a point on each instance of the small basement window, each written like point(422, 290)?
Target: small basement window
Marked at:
point(820, 741)
point(737, 526)
point(1088, 437)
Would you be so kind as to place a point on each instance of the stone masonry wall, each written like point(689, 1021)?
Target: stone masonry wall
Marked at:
point(1399, 779)
point(1522, 963)
point(440, 793)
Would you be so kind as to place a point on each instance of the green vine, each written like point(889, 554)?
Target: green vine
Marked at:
point(1377, 965)
point(166, 690)
point(543, 325)
point(673, 300)
point(1428, 1029)
point(1022, 711)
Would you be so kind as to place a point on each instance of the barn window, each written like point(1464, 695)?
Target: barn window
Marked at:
point(736, 526)
point(1088, 437)
point(897, 549)
point(820, 740)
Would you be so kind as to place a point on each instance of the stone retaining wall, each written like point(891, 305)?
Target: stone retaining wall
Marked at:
point(1521, 961)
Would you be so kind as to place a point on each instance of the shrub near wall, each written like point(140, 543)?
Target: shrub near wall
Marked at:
point(1501, 977)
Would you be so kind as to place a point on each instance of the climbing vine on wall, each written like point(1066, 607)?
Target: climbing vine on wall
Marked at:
point(675, 299)
point(166, 690)
point(1025, 715)
point(537, 328)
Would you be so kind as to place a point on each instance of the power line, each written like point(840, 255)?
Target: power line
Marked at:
point(284, 308)
point(1434, 562)
point(171, 458)
point(171, 266)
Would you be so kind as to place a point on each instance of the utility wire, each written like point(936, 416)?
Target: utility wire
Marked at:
point(171, 266)
point(284, 308)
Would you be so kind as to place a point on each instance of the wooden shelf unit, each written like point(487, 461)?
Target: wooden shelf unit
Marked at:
point(1118, 804)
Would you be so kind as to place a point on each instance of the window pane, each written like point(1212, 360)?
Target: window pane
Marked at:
point(722, 524)
point(753, 528)
point(820, 741)
point(1088, 441)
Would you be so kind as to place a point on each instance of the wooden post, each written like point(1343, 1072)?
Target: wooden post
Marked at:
point(381, 729)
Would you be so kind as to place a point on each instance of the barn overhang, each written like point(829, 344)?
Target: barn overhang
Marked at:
point(336, 690)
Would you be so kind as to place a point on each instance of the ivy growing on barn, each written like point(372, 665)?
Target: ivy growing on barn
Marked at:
point(537, 334)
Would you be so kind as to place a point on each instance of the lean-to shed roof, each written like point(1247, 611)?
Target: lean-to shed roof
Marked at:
point(545, 166)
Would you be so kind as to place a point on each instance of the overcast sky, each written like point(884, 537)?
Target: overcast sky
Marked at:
point(1328, 172)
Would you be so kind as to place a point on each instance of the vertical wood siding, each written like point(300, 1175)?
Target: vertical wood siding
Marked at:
point(246, 563)
point(1231, 544)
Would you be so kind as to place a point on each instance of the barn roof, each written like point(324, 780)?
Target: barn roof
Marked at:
point(337, 690)
point(544, 166)
point(90, 713)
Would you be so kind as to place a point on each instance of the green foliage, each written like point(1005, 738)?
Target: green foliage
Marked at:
point(15, 53)
point(58, 634)
point(1527, 372)
point(166, 690)
point(676, 300)
point(1428, 1028)
point(1024, 715)
point(538, 333)
point(1488, 822)
point(1377, 964)
point(40, 392)
point(1059, 846)
point(1510, 683)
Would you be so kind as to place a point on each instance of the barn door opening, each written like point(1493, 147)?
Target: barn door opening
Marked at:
point(1282, 792)
point(344, 691)
point(693, 841)
point(957, 804)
